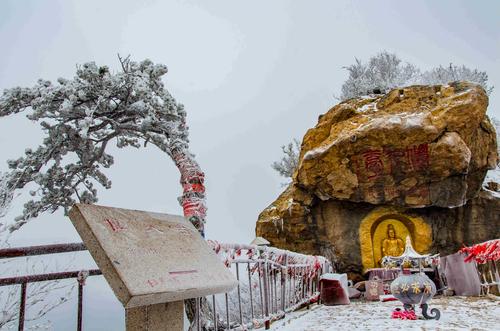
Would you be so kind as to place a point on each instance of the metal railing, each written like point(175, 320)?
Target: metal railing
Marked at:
point(489, 276)
point(25, 280)
point(271, 283)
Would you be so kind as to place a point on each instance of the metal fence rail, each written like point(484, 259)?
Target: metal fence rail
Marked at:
point(25, 280)
point(271, 283)
point(489, 276)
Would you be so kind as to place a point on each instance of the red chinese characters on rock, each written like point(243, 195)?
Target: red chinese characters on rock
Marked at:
point(419, 157)
point(375, 163)
point(397, 159)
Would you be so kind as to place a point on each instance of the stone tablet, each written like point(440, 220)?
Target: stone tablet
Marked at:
point(149, 258)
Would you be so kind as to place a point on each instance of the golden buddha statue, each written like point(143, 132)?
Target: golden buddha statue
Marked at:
point(392, 245)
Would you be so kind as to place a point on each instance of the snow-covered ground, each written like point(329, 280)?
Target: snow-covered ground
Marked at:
point(457, 313)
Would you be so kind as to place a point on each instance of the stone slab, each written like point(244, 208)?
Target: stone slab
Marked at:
point(149, 258)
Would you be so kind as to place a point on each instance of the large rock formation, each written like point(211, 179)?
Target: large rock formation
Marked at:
point(417, 146)
point(420, 149)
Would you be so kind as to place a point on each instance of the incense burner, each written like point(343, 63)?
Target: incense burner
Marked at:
point(413, 289)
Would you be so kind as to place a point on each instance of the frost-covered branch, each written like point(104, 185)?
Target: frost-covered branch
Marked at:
point(451, 73)
point(80, 118)
point(288, 163)
point(386, 71)
point(382, 72)
point(6, 194)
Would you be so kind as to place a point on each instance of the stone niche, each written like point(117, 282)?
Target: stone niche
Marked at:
point(373, 233)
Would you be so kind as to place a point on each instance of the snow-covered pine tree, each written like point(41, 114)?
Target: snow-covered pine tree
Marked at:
point(81, 117)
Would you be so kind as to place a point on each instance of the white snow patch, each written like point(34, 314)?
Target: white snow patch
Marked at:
point(492, 176)
point(457, 313)
point(318, 151)
point(368, 107)
point(414, 120)
point(404, 120)
point(394, 120)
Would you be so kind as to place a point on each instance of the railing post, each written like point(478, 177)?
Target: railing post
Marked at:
point(250, 290)
point(198, 313)
point(283, 283)
point(270, 282)
point(81, 278)
point(22, 306)
point(259, 268)
point(266, 297)
point(302, 281)
point(215, 313)
point(275, 288)
point(239, 292)
point(318, 283)
point(227, 313)
point(80, 307)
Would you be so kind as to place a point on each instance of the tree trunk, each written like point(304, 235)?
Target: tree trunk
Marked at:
point(205, 316)
point(194, 208)
point(193, 188)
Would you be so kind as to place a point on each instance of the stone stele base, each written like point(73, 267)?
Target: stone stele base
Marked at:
point(159, 317)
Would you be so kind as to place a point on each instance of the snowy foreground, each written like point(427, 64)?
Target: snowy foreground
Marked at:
point(457, 313)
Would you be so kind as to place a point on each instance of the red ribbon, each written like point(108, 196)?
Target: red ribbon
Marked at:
point(404, 314)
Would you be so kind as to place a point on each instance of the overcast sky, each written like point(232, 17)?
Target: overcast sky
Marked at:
point(252, 75)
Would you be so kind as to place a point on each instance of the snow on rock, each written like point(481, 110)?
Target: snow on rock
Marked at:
point(457, 313)
point(491, 182)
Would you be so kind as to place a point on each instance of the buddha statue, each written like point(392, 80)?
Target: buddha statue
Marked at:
point(392, 245)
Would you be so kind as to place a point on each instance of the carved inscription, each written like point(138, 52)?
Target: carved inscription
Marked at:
point(374, 163)
point(387, 173)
